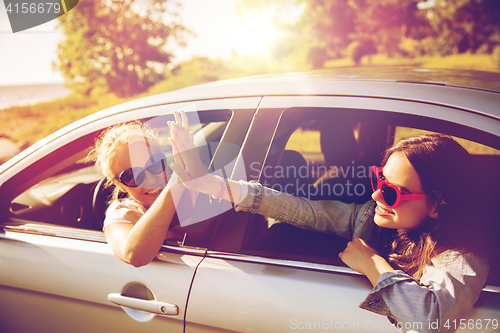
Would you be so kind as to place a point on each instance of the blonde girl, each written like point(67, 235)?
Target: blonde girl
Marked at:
point(131, 158)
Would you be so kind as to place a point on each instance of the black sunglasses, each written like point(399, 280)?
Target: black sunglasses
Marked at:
point(133, 177)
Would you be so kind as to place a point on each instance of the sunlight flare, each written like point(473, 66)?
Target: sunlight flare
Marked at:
point(253, 35)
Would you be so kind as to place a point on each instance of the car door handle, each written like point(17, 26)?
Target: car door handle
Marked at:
point(153, 306)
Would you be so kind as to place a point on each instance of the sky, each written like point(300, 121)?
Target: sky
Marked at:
point(26, 57)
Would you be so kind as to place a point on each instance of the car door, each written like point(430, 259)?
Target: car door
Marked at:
point(57, 273)
point(260, 275)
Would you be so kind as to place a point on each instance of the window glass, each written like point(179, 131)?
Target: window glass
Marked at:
point(69, 189)
point(321, 156)
point(334, 150)
point(471, 146)
point(305, 139)
point(325, 158)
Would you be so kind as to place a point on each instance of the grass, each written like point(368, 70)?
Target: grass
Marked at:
point(33, 122)
point(482, 62)
point(304, 141)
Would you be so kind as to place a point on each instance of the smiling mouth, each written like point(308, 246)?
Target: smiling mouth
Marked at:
point(382, 211)
point(155, 191)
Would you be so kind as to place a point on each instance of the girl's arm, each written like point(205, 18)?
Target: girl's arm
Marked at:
point(443, 297)
point(137, 244)
point(332, 217)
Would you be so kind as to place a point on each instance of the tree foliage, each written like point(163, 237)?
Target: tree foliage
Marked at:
point(465, 25)
point(117, 46)
point(387, 22)
point(328, 24)
point(329, 29)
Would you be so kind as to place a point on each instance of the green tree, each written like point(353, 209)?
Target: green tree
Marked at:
point(387, 22)
point(333, 28)
point(328, 25)
point(464, 25)
point(117, 46)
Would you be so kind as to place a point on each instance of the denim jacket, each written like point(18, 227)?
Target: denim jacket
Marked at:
point(447, 290)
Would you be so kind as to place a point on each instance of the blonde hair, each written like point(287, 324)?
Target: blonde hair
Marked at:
point(115, 138)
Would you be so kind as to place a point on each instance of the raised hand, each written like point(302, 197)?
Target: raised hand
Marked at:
point(188, 165)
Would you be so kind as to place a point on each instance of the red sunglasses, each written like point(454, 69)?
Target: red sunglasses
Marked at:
point(391, 194)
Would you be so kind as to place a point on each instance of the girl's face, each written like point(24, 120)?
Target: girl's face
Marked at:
point(409, 214)
point(138, 155)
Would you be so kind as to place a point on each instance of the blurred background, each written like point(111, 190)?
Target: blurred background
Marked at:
point(105, 52)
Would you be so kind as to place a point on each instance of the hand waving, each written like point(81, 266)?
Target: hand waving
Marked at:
point(187, 164)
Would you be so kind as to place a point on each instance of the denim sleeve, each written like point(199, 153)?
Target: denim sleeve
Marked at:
point(447, 291)
point(329, 216)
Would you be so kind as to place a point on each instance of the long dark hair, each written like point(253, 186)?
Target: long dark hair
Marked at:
point(446, 173)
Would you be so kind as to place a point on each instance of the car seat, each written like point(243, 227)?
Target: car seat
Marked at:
point(346, 178)
point(292, 174)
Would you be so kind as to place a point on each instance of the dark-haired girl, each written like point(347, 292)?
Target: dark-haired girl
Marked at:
point(414, 240)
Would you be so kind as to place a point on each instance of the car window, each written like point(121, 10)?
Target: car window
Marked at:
point(65, 189)
point(326, 154)
point(472, 147)
point(318, 156)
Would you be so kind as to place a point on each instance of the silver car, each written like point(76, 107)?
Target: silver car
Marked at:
point(236, 271)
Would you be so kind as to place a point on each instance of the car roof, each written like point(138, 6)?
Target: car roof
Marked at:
point(471, 90)
point(474, 91)
point(473, 79)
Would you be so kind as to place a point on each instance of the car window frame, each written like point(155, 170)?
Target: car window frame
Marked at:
point(458, 118)
point(237, 110)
